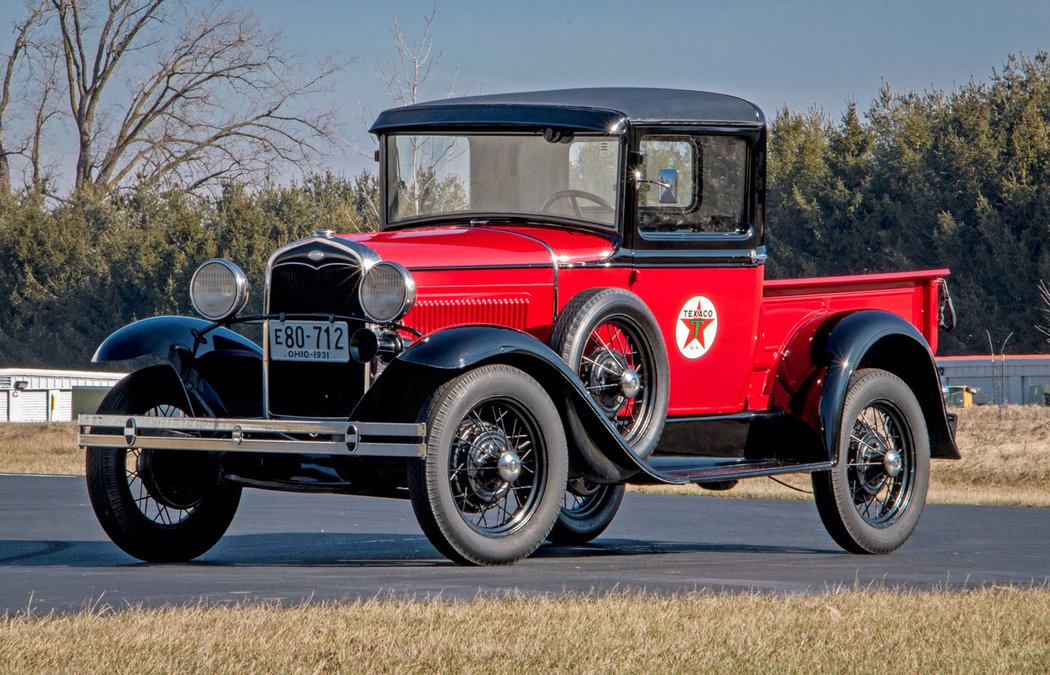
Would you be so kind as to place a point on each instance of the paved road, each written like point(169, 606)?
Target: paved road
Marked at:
point(288, 547)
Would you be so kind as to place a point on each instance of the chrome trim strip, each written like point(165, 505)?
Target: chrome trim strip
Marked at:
point(254, 425)
point(406, 450)
point(340, 263)
point(360, 439)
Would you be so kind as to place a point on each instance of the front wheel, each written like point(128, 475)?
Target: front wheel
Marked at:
point(870, 502)
point(157, 505)
point(490, 487)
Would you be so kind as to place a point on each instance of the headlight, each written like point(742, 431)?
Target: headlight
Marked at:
point(387, 292)
point(218, 289)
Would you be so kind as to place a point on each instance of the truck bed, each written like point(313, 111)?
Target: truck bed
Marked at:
point(793, 308)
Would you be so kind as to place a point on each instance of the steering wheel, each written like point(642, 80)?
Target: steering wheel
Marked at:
point(574, 196)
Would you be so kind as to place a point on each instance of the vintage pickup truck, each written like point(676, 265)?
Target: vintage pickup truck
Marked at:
point(566, 295)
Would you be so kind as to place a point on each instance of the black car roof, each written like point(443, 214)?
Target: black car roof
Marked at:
point(604, 109)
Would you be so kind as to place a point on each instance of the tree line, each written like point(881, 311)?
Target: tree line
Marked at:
point(72, 274)
point(934, 179)
point(957, 179)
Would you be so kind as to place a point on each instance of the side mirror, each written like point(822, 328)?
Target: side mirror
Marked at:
point(668, 186)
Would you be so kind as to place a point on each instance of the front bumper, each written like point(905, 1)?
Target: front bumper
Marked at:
point(314, 437)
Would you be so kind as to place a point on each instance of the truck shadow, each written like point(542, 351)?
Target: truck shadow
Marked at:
point(308, 549)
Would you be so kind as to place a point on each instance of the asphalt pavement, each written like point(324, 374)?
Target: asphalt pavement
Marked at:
point(289, 548)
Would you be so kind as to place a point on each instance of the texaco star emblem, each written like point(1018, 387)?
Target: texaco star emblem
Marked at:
point(697, 327)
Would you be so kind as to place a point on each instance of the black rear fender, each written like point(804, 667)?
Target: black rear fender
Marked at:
point(221, 372)
point(876, 339)
point(401, 392)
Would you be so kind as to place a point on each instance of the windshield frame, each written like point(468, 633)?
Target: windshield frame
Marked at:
point(388, 169)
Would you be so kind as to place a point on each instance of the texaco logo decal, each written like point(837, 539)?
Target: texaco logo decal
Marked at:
point(697, 327)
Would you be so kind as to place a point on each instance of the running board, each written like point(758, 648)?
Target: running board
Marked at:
point(679, 470)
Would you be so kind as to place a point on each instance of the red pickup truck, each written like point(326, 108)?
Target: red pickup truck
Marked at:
point(566, 295)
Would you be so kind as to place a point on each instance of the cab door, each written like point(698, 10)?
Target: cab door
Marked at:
point(698, 259)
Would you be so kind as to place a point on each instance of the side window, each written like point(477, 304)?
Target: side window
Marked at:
point(692, 185)
point(669, 165)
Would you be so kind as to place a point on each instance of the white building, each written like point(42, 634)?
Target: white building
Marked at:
point(28, 395)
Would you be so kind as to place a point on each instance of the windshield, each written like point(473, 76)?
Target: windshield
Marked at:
point(573, 177)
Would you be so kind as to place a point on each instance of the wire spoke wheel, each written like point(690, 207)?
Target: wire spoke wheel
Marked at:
point(489, 489)
point(871, 500)
point(615, 370)
point(880, 464)
point(157, 505)
point(143, 485)
point(584, 499)
point(496, 466)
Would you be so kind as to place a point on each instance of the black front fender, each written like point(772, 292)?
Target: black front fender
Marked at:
point(878, 339)
point(403, 389)
point(221, 371)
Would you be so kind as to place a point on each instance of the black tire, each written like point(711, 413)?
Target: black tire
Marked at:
point(577, 334)
point(479, 427)
point(179, 508)
point(871, 501)
point(586, 511)
point(632, 340)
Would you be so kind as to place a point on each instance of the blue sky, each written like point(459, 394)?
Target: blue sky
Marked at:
point(802, 54)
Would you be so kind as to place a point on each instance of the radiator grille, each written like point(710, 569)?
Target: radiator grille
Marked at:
point(295, 287)
point(315, 389)
point(431, 314)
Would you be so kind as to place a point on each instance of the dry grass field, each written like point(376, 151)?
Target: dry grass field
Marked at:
point(856, 631)
point(1006, 460)
point(40, 448)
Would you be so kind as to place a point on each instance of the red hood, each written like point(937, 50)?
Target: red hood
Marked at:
point(483, 245)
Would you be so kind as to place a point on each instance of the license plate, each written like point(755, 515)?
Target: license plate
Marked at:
point(309, 341)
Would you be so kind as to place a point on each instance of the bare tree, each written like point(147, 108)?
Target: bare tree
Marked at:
point(214, 96)
point(44, 112)
point(406, 75)
point(36, 14)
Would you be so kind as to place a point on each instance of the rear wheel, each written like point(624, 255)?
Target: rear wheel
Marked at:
point(611, 340)
point(587, 509)
point(490, 487)
point(870, 502)
point(157, 505)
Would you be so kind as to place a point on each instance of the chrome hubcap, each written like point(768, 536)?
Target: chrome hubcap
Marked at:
point(630, 383)
point(495, 467)
point(509, 466)
point(892, 463)
point(484, 462)
point(606, 377)
point(615, 367)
